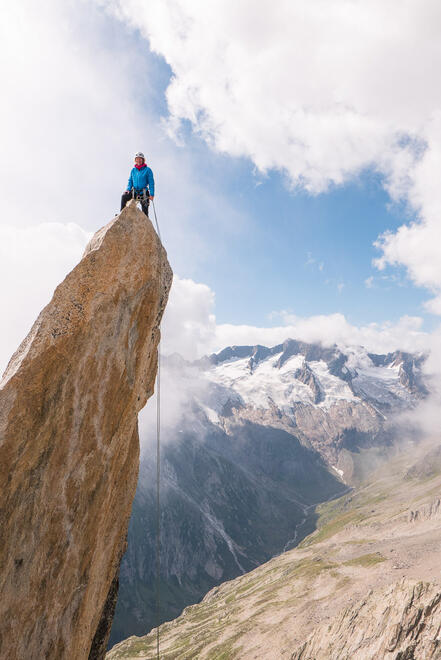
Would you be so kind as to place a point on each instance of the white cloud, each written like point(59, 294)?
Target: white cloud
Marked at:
point(33, 261)
point(73, 112)
point(189, 324)
point(426, 417)
point(317, 90)
point(77, 103)
point(369, 282)
point(190, 328)
point(67, 123)
point(417, 247)
point(406, 334)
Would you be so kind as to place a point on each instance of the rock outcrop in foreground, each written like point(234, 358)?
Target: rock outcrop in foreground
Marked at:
point(69, 446)
point(401, 621)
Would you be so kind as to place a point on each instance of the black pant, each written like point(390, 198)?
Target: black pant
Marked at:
point(127, 196)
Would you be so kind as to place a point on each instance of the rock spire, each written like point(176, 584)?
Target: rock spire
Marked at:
point(69, 447)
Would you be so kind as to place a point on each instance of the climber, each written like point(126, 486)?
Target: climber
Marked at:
point(140, 180)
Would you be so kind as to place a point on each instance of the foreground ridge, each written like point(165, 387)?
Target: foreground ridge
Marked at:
point(365, 585)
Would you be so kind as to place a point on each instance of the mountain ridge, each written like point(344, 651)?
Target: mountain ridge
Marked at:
point(252, 451)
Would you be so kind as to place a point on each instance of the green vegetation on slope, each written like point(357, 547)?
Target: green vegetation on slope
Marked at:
point(288, 596)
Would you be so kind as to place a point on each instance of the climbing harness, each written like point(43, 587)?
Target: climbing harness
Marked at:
point(141, 195)
point(142, 199)
point(158, 457)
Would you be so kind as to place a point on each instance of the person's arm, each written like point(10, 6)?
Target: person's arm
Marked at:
point(151, 183)
point(130, 183)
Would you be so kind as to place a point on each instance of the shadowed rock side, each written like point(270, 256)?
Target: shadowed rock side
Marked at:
point(229, 503)
point(69, 448)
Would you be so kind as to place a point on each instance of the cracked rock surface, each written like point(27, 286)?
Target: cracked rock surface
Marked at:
point(402, 621)
point(69, 447)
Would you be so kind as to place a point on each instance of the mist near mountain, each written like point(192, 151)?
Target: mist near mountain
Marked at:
point(253, 438)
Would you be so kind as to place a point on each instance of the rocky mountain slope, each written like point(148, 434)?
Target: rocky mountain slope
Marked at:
point(258, 437)
point(366, 585)
point(229, 503)
point(69, 448)
point(330, 399)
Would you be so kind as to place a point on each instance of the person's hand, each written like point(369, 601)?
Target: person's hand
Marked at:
point(151, 197)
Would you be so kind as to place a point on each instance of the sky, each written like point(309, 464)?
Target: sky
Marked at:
point(296, 150)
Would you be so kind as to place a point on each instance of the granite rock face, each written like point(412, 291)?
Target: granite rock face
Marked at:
point(69, 448)
point(402, 621)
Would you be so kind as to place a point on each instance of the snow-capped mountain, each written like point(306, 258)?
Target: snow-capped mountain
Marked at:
point(295, 372)
point(253, 438)
point(321, 394)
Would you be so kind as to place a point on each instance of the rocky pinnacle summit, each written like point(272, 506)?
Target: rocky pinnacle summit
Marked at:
point(69, 447)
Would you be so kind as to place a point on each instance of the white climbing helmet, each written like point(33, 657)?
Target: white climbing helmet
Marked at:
point(139, 154)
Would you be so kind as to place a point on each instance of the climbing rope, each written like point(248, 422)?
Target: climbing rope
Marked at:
point(156, 220)
point(158, 459)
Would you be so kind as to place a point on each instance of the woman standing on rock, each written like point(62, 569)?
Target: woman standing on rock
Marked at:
point(141, 177)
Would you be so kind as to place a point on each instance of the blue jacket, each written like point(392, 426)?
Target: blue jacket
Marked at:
point(140, 179)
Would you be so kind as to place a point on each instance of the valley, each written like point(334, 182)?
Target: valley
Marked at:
point(257, 439)
point(364, 585)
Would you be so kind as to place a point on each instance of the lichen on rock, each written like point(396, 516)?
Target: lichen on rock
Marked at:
point(69, 446)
